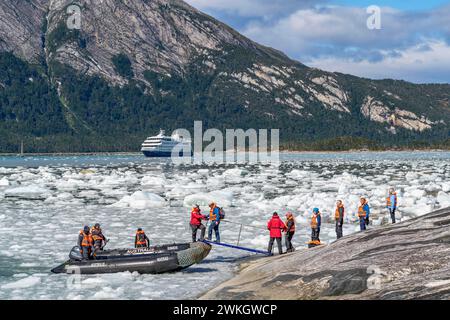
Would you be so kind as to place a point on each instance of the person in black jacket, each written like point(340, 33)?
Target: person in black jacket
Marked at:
point(339, 217)
point(290, 231)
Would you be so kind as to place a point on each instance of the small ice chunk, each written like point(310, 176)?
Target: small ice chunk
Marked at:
point(4, 182)
point(23, 283)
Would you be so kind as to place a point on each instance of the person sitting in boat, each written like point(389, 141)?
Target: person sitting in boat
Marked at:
point(214, 220)
point(316, 222)
point(196, 223)
point(86, 243)
point(141, 240)
point(98, 237)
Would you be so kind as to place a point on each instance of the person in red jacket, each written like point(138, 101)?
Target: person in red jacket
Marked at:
point(196, 223)
point(275, 226)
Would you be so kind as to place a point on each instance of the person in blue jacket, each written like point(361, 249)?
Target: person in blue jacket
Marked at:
point(391, 203)
point(214, 220)
point(316, 222)
point(363, 213)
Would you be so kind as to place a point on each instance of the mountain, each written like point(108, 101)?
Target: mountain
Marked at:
point(138, 65)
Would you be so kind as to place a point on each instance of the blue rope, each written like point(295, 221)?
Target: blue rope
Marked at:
point(237, 247)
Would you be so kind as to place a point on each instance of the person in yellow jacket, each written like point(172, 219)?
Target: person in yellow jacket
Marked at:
point(339, 217)
point(316, 222)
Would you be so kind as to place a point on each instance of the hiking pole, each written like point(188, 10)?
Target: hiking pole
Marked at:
point(239, 237)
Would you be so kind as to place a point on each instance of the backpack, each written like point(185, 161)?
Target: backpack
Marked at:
point(221, 213)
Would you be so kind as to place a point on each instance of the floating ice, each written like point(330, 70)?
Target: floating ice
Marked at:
point(222, 198)
point(32, 192)
point(141, 200)
point(4, 182)
point(23, 283)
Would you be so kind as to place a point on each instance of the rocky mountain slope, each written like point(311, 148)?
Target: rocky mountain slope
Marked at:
point(137, 65)
point(409, 260)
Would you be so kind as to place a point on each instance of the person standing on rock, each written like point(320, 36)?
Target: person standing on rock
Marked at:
point(275, 226)
point(363, 213)
point(316, 222)
point(290, 231)
point(196, 223)
point(339, 217)
point(391, 203)
point(214, 220)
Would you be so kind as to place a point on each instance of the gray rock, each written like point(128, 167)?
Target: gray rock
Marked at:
point(409, 260)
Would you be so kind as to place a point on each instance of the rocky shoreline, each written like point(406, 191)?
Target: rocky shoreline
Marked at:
point(409, 260)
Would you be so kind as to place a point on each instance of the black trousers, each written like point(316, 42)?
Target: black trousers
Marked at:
point(392, 212)
point(280, 248)
point(339, 232)
point(288, 240)
point(315, 233)
point(194, 229)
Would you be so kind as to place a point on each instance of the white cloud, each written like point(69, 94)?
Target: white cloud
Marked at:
point(413, 64)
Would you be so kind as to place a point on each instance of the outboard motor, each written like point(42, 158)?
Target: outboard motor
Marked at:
point(75, 254)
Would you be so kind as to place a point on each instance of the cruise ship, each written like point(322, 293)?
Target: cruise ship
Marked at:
point(162, 145)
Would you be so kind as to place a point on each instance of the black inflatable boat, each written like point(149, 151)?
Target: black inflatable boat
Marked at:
point(160, 259)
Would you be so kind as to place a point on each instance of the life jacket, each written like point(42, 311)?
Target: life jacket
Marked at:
point(87, 239)
point(96, 234)
point(361, 212)
point(212, 215)
point(140, 238)
point(388, 200)
point(314, 222)
point(292, 228)
point(336, 213)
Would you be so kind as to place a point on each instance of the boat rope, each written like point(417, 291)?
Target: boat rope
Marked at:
point(237, 247)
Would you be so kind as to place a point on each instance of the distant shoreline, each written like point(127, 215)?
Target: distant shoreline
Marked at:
point(69, 154)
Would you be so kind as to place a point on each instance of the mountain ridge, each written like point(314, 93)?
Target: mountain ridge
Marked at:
point(135, 66)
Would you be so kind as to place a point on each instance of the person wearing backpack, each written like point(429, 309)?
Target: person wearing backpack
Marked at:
point(214, 221)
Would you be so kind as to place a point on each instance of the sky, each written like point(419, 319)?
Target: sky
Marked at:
point(412, 42)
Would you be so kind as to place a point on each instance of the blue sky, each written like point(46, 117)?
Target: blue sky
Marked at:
point(413, 43)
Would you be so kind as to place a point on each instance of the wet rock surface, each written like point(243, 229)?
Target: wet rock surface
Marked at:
point(409, 260)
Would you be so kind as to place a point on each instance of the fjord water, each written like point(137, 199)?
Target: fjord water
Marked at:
point(45, 201)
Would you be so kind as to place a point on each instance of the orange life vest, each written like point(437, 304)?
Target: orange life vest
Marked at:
point(388, 200)
point(140, 238)
point(292, 228)
point(336, 213)
point(87, 240)
point(361, 212)
point(212, 216)
point(96, 234)
point(314, 220)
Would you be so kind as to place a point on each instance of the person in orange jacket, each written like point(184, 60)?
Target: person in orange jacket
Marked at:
point(86, 243)
point(141, 240)
point(275, 226)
